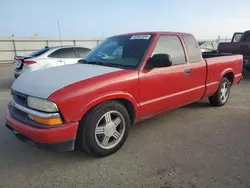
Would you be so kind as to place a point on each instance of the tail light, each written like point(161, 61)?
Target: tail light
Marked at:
point(29, 62)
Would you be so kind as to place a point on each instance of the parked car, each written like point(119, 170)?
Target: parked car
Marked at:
point(48, 57)
point(125, 79)
point(240, 44)
point(208, 46)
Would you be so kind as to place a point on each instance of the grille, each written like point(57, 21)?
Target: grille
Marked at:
point(19, 115)
point(19, 98)
point(23, 117)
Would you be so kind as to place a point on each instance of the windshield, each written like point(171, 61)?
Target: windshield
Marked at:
point(120, 51)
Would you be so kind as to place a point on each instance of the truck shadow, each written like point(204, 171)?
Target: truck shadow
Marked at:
point(200, 104)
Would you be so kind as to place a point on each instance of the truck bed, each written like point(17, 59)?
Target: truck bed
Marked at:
point(207, 55)
point(218, 65)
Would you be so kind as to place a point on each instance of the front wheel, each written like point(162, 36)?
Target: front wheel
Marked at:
point(222, 94)
point(104, 129)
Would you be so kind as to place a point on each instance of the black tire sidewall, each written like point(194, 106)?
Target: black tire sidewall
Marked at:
point(92, 119)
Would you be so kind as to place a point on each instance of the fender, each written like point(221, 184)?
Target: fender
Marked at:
point(111, 96)
point(228, 70)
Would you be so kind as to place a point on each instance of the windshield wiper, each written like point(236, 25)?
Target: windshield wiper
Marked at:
point(108, 64)
point(82, 61)
point(94, 62)
point(91, 62)
point(101, 63)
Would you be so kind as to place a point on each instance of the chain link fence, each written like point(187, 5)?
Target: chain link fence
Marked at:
point(11, 47)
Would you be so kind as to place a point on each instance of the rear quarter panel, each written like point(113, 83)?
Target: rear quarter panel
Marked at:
point(218, 67)
point(76, 99)
point(40, 64)
point(46, 62)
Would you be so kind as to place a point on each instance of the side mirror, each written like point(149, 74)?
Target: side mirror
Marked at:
point(159, 60)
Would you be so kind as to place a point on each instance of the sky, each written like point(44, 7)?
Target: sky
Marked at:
point(100, 18)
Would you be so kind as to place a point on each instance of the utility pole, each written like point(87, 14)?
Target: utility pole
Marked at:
point(218, 40)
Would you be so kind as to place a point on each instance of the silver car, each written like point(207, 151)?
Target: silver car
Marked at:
point(208, 46)
point(48, 57)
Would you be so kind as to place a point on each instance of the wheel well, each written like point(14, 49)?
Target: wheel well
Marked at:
point(230, 77)
point(130, 108)
point(126, 103)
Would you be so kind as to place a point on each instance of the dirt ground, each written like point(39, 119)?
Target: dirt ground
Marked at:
point(196, 146)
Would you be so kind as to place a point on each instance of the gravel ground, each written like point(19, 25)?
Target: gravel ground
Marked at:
point(196, 146)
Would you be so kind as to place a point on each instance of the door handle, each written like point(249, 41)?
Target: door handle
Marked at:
point(59, 60)
point(187, 71)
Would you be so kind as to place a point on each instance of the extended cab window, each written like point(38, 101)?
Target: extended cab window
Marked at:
point(171, 45)
point(193, 49)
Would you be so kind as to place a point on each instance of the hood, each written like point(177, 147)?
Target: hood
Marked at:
point(42, 83)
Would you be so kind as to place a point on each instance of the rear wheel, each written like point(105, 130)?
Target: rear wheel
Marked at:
point(222, 94)
point(104, 129)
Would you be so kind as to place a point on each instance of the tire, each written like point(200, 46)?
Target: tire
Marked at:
point(94, 130)
point(217, 99)
point(247, 68)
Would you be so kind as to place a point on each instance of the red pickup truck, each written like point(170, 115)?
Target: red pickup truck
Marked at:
point(240, 44)
point(125, 79)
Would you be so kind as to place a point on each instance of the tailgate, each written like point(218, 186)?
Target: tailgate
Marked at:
point(242, 48)
point(228, 47)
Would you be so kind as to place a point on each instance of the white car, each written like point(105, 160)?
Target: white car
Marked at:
point(208, 46)
point(48, 57)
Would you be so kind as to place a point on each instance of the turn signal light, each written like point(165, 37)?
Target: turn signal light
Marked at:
point(29, 62)
point(46, 121)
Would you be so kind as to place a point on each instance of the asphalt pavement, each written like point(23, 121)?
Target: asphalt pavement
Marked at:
point(196, 146)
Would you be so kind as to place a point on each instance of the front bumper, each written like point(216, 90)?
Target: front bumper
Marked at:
point(60, 138)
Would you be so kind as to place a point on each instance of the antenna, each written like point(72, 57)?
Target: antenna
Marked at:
point(59, 32)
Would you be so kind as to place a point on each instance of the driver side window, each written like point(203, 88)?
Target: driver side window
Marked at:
point(171, 45)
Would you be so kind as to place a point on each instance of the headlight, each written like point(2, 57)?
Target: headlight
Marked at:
point(41, 104)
